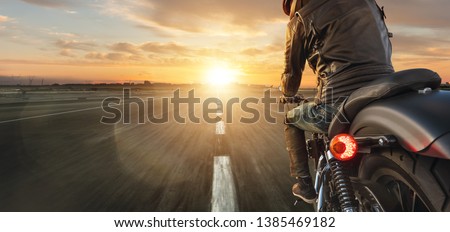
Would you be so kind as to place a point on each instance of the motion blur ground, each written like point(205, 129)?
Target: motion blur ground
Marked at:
point(57, 156)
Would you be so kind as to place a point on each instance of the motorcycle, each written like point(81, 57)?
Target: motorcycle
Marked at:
point(387, 149)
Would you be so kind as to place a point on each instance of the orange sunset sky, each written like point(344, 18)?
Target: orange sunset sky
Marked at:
point(180, 41)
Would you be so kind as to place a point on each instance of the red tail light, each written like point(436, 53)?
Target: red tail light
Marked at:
point(343, 147)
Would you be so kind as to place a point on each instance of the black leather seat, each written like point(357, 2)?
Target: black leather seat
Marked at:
point(395, 84)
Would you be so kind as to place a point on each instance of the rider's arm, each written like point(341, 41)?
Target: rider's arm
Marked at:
point(295, 58)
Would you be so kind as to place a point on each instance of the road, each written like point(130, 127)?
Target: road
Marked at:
point(58, 156)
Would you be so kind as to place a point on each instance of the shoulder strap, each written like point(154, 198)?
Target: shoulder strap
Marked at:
point(293, 8)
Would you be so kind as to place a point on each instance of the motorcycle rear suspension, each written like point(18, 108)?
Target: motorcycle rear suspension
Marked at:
point(343, 186)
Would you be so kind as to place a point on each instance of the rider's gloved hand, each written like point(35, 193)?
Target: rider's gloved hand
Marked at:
point(285, 100)
point(291, 100)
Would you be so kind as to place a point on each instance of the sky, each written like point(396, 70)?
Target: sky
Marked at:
point(181, 41)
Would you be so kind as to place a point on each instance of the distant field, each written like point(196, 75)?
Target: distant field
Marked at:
point(18, 94)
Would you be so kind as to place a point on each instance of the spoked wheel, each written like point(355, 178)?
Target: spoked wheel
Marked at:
point(408, 199)
point(414, 183)
point(372, 197)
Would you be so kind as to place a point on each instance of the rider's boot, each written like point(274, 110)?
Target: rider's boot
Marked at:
point(304, 189)
point(296, 146)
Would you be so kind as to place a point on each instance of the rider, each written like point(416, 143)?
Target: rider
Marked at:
point(346, 43)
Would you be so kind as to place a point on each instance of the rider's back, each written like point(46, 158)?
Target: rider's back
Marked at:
point(347, 44)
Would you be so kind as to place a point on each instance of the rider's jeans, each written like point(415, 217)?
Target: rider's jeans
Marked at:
point(306, 117)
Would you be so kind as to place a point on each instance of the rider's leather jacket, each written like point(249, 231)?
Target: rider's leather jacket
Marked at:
point(345, 42)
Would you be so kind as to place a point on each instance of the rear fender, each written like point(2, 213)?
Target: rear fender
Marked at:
point(420, 122)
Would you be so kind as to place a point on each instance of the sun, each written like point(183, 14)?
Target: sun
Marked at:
point(221, 75)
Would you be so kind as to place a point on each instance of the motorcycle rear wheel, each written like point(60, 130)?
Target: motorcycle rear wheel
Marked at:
point(416, 183)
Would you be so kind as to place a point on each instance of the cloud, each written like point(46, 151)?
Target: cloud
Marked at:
point(74, 44)
point(420, 13)
point(113, 56)
point(171, 53)
point(170, 47)
point(423, 47)
point(154, 53)
point(95, 56)
point(172, 61)
point(198, 16)
point(167, 49)
point(67, 53)
point(162, 49)
point(263, 51)
point(125, 47)
point(51, 3)
point(237, 12)
point(4, 19)
point(62, 34)
point(68, 47)
point(116, 56)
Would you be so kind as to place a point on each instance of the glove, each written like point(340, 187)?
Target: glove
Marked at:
point(299, 98)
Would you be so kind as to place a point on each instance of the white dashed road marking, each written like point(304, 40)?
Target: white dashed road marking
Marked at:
point(224, 197)
point(220, 128)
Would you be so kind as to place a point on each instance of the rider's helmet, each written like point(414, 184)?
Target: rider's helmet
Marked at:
point(287, 7)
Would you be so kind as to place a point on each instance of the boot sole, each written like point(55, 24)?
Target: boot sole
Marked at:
point(309, 201)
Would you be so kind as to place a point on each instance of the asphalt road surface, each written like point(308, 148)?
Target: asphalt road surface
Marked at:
point(58, 156)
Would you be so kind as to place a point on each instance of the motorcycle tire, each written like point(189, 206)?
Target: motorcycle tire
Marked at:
point(417, 183)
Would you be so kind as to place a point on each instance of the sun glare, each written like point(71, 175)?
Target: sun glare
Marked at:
point(221, 75)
